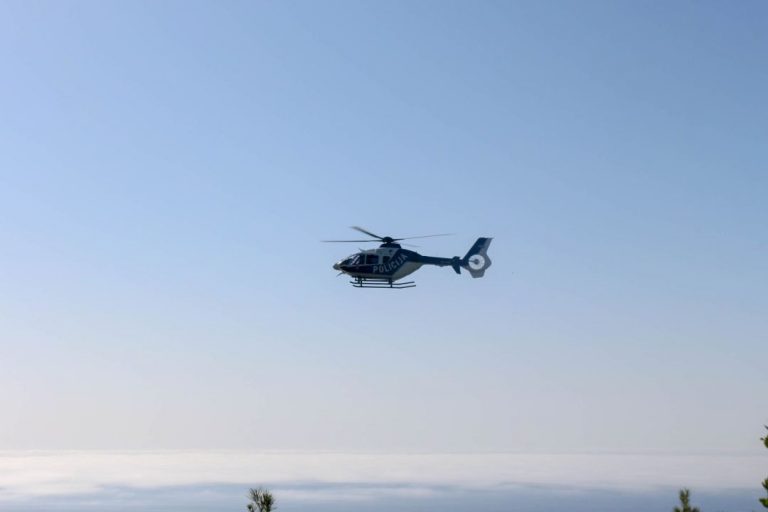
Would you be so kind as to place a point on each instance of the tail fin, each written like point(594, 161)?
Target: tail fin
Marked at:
point(477, 261)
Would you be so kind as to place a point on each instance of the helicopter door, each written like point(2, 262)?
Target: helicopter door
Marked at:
point(371, 259)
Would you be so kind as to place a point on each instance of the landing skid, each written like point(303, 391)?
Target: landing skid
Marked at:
point(380, 282)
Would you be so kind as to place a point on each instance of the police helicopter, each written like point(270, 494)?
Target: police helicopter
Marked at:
point(385, 266)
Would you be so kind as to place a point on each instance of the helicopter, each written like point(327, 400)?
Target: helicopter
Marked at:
point(385, 266)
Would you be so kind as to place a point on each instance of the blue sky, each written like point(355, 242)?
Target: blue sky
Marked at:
point(168, 169)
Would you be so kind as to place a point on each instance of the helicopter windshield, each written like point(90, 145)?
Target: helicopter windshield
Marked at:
point(352, 260)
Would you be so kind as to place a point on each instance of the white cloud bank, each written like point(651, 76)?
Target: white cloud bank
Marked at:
point(30, 474)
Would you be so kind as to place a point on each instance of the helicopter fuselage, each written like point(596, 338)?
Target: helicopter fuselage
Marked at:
point(383, 266)
point(389, 261)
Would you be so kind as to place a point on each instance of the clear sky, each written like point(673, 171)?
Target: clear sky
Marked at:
point(167, 170)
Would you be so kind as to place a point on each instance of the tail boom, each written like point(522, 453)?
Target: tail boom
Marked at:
point(476, 261)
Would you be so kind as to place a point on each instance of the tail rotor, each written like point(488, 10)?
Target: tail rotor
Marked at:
point(476, 260)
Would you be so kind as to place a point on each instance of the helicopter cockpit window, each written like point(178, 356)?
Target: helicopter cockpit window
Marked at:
point(371, 259)
point(354, 259)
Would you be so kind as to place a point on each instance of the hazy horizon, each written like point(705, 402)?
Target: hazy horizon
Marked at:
point(204, 480)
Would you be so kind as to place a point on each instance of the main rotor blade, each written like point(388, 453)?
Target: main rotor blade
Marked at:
point(350, 241)
point(424, 236)
point(358, 228)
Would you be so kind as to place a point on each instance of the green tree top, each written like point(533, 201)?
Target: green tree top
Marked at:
point(764, 501)
point(685, 501)
point(261, 500)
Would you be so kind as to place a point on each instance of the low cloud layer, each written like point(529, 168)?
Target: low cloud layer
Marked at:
point(34, 474)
